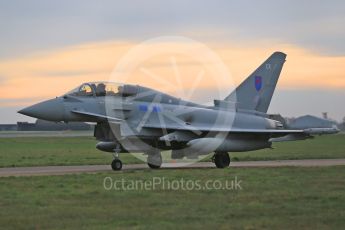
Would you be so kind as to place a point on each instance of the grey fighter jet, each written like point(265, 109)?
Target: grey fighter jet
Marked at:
point(133, 118)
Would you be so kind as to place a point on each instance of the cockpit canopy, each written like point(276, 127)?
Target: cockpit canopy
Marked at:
point(102, 89)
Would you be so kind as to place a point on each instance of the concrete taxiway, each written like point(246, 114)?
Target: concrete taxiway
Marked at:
point(62, 170)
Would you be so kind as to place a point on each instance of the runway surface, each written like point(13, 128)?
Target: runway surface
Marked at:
point(62, 170)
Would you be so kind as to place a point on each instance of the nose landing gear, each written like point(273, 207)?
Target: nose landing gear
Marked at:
point(116, 164)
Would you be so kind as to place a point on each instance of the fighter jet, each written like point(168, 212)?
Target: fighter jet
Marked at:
point(133, 118)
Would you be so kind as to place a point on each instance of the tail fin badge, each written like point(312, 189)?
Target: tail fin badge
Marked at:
point(258, 83)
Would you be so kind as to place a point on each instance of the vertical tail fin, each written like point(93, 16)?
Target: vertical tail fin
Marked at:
point(255, 93)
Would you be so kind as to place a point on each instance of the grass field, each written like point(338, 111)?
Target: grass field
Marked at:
point(30, 151)
point(274, 198)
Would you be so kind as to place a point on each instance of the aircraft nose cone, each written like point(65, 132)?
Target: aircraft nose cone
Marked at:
point(51, 110)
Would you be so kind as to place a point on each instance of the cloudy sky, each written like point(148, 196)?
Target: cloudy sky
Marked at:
point(49, 47)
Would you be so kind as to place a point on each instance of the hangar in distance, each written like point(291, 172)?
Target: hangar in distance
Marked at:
point(133, 118)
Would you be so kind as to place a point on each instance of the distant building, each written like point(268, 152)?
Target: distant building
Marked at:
point(8, 127)
point(25, 126)
point(308, 121)
point(41, 125)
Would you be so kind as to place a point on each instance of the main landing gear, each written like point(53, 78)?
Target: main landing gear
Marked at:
point(154, 160)
point(221, 159)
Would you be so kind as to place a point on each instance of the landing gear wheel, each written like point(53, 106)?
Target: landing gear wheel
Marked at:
point(222, 160)
point(154, 161)
point(116, 164)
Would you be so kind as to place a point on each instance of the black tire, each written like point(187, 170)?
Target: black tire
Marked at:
point(116, 164)
point(154, 161)
point(222, 160)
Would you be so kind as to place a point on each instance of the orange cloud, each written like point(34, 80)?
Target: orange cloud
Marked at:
point(52, 73)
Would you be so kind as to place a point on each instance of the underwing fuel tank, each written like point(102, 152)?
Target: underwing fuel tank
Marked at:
point(106, 146)
point(208, 145)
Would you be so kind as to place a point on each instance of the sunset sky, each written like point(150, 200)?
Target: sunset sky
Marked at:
point(49, 47)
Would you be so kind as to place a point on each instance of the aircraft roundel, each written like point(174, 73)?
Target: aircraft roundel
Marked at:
point(258, 83)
